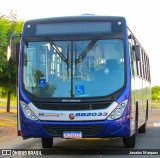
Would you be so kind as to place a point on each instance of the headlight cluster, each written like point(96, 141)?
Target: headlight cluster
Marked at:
point(118, 111)
point(27, 112)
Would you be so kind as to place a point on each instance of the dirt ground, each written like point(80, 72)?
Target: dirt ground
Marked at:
point(8, 125)
point(7, 133)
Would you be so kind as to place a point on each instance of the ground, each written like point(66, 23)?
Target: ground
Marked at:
point(8, 125)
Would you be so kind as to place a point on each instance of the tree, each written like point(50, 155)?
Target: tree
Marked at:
point(12, 16)
point(155, 93)
point(8, 82)
point(2, 15)
point(9, 25)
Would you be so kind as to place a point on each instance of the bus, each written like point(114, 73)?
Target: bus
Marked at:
point(82, 77)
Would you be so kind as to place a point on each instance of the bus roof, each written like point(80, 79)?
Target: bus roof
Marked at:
point(83, 24)
point(76, 18)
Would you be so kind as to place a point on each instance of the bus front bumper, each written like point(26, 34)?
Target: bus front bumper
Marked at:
point(89, 129)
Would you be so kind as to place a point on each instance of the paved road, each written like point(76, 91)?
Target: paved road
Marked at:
point(98, 148)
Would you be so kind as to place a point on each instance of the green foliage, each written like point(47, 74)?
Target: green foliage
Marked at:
point(49, 88)
point(5, 26)
point(8, 78)
point(8, 26)
point(37, 74)
point(155, 93)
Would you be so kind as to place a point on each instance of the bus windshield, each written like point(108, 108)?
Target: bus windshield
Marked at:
point(67, 68)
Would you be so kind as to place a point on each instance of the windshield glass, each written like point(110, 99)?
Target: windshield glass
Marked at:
point(85, 68)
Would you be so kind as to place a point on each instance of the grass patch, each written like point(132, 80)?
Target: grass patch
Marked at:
point(8, 119)
point(155, 105)
point(3, 102)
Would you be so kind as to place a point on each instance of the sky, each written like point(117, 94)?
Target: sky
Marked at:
point(143, 18)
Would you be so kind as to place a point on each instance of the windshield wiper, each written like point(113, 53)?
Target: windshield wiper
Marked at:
point(86, 50)
point(57, 51)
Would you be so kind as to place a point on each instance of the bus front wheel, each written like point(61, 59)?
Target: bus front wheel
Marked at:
point(129, 142)
point(47, 142)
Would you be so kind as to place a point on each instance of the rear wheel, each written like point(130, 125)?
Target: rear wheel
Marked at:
point(47, 142)
point(136, 119)
point(142, 129)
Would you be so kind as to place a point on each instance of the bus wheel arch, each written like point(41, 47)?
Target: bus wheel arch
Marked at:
point(129, 142)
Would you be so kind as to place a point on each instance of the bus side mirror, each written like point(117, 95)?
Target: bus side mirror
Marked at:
point(136, 48)
point(133, 56)
point(12, 50)
point(12, 55)
point(17, 52)
point(9, 58)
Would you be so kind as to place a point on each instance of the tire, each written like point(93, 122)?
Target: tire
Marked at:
point(129, 142)
point(142, 129)
point(136, 119)
point(47, 142)
point(147, 110)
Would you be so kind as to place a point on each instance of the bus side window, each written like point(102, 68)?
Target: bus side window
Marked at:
point(137, 52)
point(132, 59)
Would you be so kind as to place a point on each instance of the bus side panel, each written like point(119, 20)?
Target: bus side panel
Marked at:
point(146, 97)
point(18, 93)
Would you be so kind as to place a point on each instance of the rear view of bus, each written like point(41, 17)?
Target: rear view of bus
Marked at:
point(74, 80)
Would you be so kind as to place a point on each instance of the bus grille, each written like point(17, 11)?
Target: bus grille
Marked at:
point(72, 106)
point(87, 130)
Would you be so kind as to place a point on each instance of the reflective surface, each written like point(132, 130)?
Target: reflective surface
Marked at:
point(85, 68)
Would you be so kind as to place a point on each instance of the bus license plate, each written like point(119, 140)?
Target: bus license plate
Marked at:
point(72, 134)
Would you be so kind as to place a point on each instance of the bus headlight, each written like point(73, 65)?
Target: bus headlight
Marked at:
point(28, 112)
point(118, 111)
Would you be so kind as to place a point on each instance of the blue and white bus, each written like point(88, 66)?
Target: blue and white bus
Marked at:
point(82, 77)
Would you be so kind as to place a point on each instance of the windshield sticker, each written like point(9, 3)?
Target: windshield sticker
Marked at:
point(79, 89)
point(42, 83)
